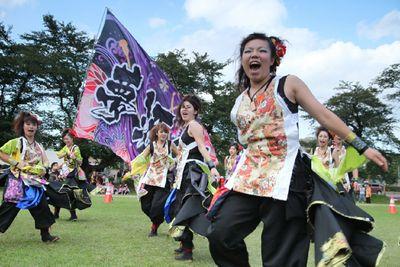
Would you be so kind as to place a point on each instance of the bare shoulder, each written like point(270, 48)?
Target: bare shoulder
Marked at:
point(195, 125)
point(292, 86)
point(195, 129)
point(292, 81)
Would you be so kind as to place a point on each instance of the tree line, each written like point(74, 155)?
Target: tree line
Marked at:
point(43, 72)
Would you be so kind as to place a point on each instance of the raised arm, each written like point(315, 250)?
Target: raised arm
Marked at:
point(196, 130)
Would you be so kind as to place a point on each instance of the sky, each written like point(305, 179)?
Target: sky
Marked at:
point(328, 41)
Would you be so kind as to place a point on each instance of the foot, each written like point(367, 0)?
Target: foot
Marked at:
point(152, 233)
point(178, 250)
point(73, 219)
point(50, 239)
point(185, 256)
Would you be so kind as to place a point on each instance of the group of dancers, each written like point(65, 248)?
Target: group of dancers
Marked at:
point(272, 180)
point(26, 186)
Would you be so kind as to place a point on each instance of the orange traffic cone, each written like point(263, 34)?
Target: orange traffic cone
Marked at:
point(109, 192)
point(392, 206)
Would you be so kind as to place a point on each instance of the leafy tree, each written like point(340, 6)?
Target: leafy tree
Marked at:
point(362, 110)
point(62, 54)
point(390, 79)
point(201, 76)
point(16, 81)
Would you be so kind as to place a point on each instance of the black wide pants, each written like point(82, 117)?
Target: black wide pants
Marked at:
point(41, 214)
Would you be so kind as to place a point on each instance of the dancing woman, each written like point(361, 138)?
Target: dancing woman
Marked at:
point(157, 180)
point(231, 161)
point(25, 182)
point(271, 180)
point(74, 182)
point(194, 166)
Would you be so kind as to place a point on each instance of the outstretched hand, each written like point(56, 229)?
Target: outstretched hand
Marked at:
point(375, 156)
point(214, 174)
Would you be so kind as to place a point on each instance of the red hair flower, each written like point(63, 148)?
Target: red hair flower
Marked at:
point(280, 49)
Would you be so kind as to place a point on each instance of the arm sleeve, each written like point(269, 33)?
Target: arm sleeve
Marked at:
point(9, 147)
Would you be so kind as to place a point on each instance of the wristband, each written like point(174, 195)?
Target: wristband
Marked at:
point(210, 164)
point(350, 137)
point(359, 145)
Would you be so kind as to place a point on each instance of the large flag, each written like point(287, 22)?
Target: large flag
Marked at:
point(125, 94)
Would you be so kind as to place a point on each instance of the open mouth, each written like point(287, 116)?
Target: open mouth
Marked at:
point(255, 65)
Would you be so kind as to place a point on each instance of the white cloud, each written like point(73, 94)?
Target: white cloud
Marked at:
point(245, 14)
point(321, 63)
point(157, 22)
point(389, 25)
point(13, 3)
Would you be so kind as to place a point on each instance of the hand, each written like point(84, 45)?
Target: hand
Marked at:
point(375, 156)
point(215, 174)
point(22, 164)
point(72, 156)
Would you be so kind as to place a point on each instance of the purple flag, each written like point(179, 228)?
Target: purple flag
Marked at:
point(125, 94)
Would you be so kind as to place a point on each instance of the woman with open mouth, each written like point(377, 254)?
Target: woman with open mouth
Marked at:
point(323, 151)
point(273, 175)
point(195, 167)
point(157, 176)
point(25, 185)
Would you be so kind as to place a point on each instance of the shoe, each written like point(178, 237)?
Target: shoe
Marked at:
point(152, 233)
point(178, 250)
point(185, 256)
point(73, 217)
point(49, 238)
point(56, 216)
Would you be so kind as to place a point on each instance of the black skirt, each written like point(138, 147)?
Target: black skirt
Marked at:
point(192, 200)
point(69, 194)
point(340, 227)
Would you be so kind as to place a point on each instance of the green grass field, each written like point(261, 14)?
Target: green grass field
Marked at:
point(116, 235)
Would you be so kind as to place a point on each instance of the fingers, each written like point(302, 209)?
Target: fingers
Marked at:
point(380, 161)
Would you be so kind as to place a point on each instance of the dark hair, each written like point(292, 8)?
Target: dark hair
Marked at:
point(22, 117)
point(323, 129)
point(243, 80)
point(54, 163)
point(235, 145)
point(67, 132)
point(196, 103)
point(155, 129)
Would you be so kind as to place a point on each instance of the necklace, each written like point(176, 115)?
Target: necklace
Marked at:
point(29, 143)
point(265, 85)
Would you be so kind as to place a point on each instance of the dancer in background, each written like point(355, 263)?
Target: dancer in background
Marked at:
point(156, 183)
point(323, 150)
point(25, 182)
point(74, 180)
point(231, 161)
point(194, 166)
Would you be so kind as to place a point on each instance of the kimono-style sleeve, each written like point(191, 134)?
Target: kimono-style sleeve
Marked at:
point(77, 153)
point(10, 147)
point(63, 152)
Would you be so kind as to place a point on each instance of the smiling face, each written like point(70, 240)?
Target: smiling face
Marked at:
point(257, 60)
point(30, 128)
point(323, 139)
point(68, 140)
point(337, 141)
point(232, 151)
point(188, 112)
point(162, 135)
